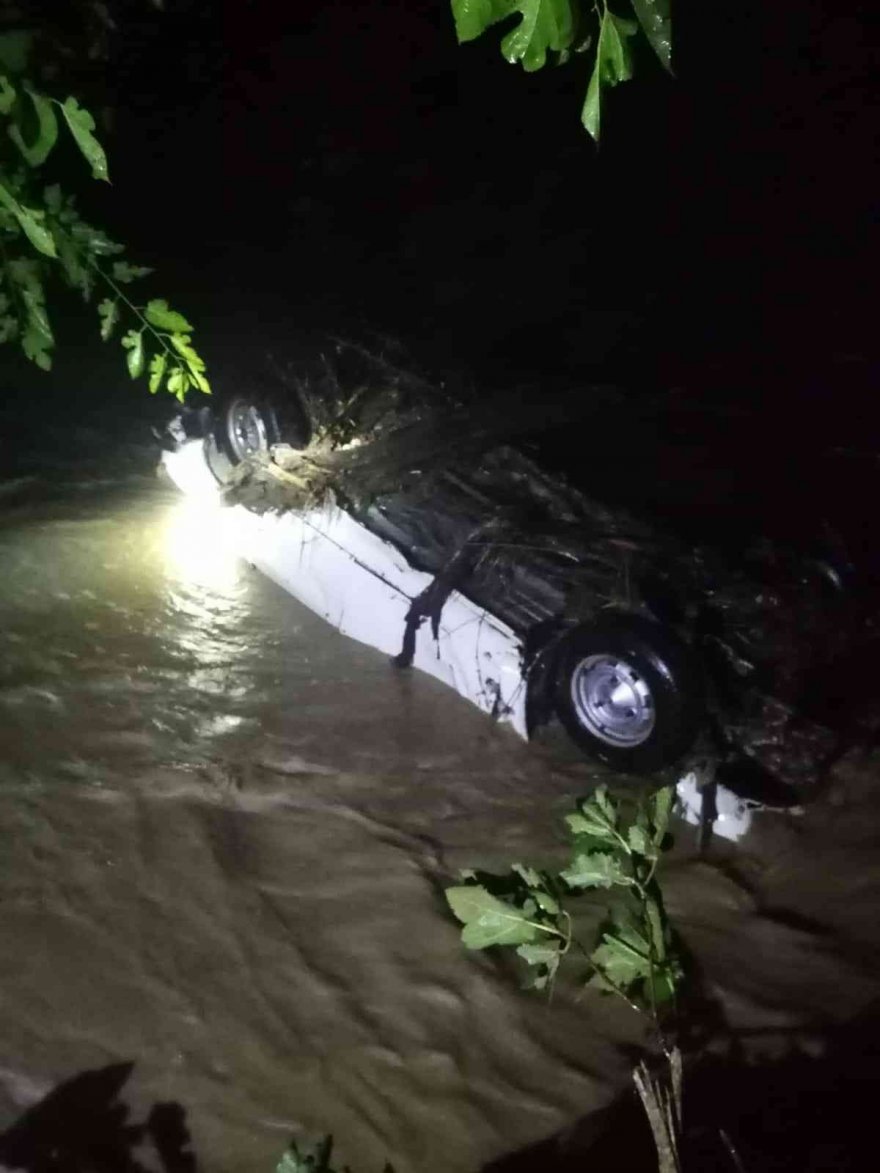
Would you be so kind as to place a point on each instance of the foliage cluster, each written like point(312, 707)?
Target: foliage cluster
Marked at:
point(556, 29)
point(633, 954)
point(44, 236)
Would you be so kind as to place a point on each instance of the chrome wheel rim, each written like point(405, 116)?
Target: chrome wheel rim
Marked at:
point(613, 701)
point(247, 430)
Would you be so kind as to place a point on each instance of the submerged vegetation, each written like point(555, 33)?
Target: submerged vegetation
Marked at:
point(633, 952)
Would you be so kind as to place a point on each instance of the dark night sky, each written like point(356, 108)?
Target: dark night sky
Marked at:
point(339, 166)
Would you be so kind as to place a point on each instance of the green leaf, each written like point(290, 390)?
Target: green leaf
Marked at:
point(546, 25)
point(182, 343)
point(36, 347)
point(133, 342)
point(201, 382)
point(108, 312)
point(159, 314)
point(36, 337)
point(591, 113)
point(309, 1159)
point(473, 17)
point(596, 818)
point(665, 984)
point(31, 222)
point(15, 50)
point(613, 65)
point(655, 925)
point(545, 901)
point(75, 272)
point(157, 372)
point(92, 239)
point(599, 869)
point(8, 328)
point(540, 954)
point(36, 231)
point(179, 383)
point(653, 16)
point(640, 841)
point(488, 920)
point(661, 809)
point(81, 125)
point(620, 962)
point(7, 95)
point(123, 273)
point(531, 877)
point(37, 151)
point(545, 958)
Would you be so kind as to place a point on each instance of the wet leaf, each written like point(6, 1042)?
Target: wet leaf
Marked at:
point(37, 152)
point(546, 25)
point(639, 841)
point(529, 875)
point(124, 273)
point(93, 239)
point(613, 65)
point(37, 345)
point(7, 95)
point(75, 272)
point(541, 954)
point(661, 809)
point(664, 985)
point(620, 962)
point(309, 1159)
point(159, 314)
point(179, 383)
point(36, 231)
point(36, 332)
point(30, 221)
point(655, 924)
point(81, 125)
point(157, 372)
point(473, 17)
point(545, 901)
point(182, 343)
point(133, 342)
point(596, 818)
point(488, 920)
point(653, 16)
point(108, 312)
point(598, 869)
point(542, 957)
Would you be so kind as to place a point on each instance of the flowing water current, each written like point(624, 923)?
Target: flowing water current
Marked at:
point(226, 829)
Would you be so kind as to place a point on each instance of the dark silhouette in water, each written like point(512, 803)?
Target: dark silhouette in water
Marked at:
point(82, 1126)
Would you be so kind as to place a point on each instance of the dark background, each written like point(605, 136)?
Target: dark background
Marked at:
point(293, 170)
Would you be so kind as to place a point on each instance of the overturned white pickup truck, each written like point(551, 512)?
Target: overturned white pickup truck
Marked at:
point(528, 598)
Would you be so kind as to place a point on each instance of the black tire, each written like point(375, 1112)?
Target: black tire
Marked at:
point(246, 426)
point(249, 424)
point(628, 693)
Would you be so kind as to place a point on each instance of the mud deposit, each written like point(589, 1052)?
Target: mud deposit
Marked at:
point(225, 832)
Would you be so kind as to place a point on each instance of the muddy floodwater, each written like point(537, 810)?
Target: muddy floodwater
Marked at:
point(226, 829)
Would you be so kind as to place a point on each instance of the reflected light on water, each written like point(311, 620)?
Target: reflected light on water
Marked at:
point(200, 546)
